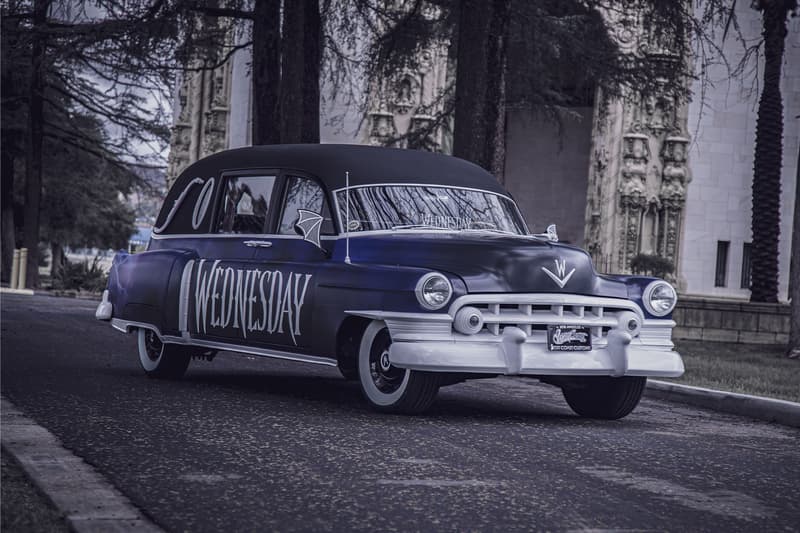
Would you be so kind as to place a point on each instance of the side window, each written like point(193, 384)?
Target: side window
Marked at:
point(245, 203)
point(304, 193)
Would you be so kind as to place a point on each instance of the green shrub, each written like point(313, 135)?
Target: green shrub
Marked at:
point(81, 276)
point(651, 265)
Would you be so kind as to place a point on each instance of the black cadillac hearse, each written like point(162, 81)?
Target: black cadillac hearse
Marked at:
point(407, 270)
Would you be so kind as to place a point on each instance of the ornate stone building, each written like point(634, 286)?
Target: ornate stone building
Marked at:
point(639, 171)
point(408, 101)
point(202, 107)
point(621, 179)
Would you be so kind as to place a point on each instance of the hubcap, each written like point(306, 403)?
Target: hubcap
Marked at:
point(385, 365)
point(153, 345)
point(387, 378)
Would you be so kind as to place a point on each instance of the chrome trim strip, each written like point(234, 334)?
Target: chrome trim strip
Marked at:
point(183, 302)
point(250, 350)
point(384, 315)
point(544, 299)
point(238, 236)
point(187, 340)
point(125, 326)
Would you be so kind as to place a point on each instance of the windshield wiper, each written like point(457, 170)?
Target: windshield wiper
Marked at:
point(492, 230)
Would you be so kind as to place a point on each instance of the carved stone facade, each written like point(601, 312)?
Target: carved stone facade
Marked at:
point(403, 106)
point(201, 114)
point(639, 173)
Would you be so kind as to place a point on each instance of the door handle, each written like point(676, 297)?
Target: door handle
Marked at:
point(258, 244)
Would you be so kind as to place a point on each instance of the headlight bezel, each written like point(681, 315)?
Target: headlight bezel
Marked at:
point(420, 291)
point(647, 296)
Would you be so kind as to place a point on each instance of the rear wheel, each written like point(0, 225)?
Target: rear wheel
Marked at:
point(604, 397)
point(389, 388)
point(161, 360)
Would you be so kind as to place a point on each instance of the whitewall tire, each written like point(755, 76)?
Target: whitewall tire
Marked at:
point(386, 387)
point(160, 360)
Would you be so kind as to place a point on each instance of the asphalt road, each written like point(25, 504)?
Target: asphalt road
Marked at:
point(245, 444)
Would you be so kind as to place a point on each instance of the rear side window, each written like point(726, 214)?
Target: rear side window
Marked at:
point(304, 193)
point(245, 204)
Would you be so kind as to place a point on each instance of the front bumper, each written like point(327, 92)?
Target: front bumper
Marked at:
point(512, 355)
point(514, 338)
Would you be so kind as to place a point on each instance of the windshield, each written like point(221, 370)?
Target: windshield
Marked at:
point(399, 207)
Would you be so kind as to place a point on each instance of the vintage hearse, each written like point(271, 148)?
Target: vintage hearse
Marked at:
point(408, 270)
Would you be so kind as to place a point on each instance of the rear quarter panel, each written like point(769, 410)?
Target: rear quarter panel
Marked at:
point(145, 287)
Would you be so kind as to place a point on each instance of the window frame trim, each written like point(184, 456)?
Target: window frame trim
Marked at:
point(248, 173)
point(286, 175)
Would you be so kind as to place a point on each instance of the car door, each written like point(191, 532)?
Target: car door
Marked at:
point(226, 289)
point(297, 250)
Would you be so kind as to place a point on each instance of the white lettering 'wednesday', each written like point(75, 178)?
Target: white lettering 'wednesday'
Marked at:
point(249, 300)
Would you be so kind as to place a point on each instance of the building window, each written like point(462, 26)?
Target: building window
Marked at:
point(722, 263)
point(747, 265)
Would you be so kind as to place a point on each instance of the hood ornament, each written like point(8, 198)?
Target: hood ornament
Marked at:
point(561, 267)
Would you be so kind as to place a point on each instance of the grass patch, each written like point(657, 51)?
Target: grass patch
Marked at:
point(762, 370)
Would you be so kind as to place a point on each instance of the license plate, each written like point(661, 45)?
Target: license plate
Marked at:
point(569, 338)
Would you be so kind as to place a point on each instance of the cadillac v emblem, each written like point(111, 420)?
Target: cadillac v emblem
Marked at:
point(562, 278)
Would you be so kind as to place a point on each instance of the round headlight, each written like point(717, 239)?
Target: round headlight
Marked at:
point(433, 291)
point(659, 298)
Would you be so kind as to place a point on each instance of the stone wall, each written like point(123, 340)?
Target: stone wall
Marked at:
point(731, 321)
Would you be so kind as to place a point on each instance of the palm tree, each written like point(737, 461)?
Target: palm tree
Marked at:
point(768, 153)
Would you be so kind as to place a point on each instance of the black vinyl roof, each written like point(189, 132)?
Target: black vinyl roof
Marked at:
point(329, 162)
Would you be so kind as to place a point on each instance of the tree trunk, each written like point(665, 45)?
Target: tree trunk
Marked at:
point(496, 90)
point(33, 143)
point(266, 71)
point(471, 82)
point(56, 259)
point(793, 350)
point(8, 236)
point(292, 71)
point(768, 152)
point(312, 44)
point(479, 124)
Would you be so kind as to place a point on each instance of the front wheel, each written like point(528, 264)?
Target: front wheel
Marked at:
point(604, 397)
point(161, 360)
point(389, 388)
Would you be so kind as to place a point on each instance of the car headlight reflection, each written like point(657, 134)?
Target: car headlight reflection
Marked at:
point(433, 291)
point(659, 298)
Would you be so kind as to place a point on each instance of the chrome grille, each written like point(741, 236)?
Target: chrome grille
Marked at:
point(532, 313)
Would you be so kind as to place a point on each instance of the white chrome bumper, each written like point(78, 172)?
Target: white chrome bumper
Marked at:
point(621, 356)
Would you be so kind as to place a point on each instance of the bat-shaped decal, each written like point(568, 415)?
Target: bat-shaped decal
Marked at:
point(309, 223)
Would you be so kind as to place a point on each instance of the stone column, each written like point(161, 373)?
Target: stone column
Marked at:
point(635, 200)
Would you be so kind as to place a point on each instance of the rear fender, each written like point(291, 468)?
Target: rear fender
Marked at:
point(145, 287)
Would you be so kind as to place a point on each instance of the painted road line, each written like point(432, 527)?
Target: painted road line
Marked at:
point(87, 501)
point(769, 409)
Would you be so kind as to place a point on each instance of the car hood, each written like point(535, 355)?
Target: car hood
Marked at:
point(490, 262)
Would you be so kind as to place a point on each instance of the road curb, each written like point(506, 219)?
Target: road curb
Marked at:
point(768, 409)
point(86, 500)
